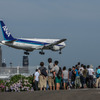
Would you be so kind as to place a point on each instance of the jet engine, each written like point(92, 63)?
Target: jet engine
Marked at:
point(56, 48)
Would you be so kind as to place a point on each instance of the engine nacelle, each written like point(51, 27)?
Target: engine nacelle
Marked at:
point(56, 48)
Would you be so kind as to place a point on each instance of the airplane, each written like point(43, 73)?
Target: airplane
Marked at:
point(29, 45)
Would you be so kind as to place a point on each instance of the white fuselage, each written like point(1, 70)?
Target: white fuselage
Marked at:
point(32, 44)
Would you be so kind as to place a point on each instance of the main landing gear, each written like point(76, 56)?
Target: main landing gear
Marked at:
point(26, 53)
point(41, 52)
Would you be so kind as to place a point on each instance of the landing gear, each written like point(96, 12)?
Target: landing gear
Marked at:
point(26, 53)
point(41, 52)
point(60, 52)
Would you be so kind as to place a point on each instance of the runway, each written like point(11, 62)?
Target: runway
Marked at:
point(79, 94)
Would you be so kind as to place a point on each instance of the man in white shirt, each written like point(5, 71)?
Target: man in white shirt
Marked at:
point(91, 70)
point(90, 73)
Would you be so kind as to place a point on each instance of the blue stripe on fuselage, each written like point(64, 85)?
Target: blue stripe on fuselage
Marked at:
point(33, 42)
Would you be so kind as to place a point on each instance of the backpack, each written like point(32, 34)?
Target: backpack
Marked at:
point(43, 72)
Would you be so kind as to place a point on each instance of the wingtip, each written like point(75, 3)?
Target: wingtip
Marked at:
point(64, 39)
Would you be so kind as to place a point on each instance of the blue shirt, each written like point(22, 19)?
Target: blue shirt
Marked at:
point(76, 72)
point(98, 71)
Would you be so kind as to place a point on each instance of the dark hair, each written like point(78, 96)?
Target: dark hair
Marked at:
point(73, 66)
point(64, 68)
point(41, 63)
point(99, 66)
point(78, 63)
point(36, 70)
point(69, 69)
point(49, 60)
point(88, 66)
point(56, 62)
point(84, 67)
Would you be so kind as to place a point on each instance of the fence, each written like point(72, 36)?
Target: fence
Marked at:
point(7, 72)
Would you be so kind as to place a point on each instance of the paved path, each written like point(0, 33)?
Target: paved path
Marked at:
point(81, 94)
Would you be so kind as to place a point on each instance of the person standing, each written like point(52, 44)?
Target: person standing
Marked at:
point(98, 77)
point(77, 79)
point(50, 74)
point(81, 75)
point(90, 73)
point(56, 70)
point(65, 77)
point(85, 72)
point(69, 77)
point(73, 77)
point(36, 79)
point(42, 78)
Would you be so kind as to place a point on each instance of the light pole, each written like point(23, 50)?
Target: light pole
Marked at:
point(11, 64)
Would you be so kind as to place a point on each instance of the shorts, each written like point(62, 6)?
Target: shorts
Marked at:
point(58, 80)
point(42, 81)
point(65, 80)
point(51, 81)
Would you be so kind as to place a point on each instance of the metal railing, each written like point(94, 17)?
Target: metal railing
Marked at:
point(7, 72)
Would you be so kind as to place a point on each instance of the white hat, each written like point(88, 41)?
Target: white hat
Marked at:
point(91, 66)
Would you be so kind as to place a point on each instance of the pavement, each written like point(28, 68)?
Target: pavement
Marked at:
point(75, 94)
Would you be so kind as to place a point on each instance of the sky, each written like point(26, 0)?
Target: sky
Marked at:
point(76, 20)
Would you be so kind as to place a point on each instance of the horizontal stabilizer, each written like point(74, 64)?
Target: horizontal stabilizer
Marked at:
point(11, 41)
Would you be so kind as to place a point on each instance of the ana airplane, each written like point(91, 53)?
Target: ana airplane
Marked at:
point(29, 45)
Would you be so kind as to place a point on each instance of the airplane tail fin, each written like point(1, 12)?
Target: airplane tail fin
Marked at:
point(6, 33)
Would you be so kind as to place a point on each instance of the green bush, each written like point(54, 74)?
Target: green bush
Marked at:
point(16, 78)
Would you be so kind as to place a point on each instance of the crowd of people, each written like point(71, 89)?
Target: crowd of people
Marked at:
point(56, 78)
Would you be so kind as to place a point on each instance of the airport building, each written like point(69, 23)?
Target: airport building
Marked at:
point(26, 63)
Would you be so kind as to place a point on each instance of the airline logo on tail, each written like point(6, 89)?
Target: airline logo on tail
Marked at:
point(6, 31)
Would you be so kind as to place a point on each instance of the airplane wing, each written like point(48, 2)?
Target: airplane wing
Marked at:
point(51, 44)
point(55, 43)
